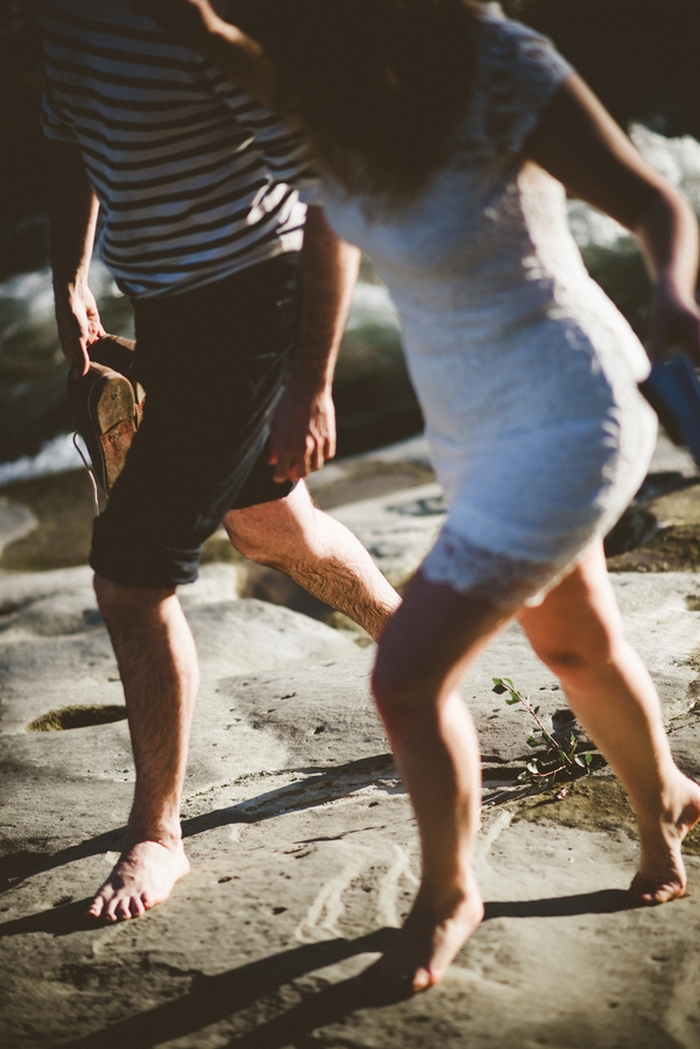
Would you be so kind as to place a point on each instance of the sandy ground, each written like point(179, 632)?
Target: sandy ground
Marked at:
point(302, 841)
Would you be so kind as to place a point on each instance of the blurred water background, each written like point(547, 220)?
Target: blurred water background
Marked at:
point(637, 54)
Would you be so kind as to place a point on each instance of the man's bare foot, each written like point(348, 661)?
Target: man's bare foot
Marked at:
point(661, 876)
point(142, 878)
point(429, 940)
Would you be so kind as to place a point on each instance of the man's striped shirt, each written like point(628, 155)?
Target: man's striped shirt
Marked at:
point(193, 177)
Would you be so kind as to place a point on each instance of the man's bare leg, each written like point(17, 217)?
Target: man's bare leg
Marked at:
point(318, 553)
point(577, 632)
point(159, 670)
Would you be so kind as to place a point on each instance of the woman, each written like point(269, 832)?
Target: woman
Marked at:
point(445, 135)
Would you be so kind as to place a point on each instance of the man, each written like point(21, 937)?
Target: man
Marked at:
point(203, 231)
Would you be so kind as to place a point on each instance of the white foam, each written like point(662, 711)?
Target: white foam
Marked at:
point(372, 306)
point(678, 160)
point(56, 456)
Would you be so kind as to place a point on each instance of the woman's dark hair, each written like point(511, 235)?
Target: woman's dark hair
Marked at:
point(379, 85)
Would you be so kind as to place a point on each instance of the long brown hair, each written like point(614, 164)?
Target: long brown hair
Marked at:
point(378, 84)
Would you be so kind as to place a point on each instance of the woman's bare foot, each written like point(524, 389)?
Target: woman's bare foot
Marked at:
point(430, 938)
point(661, 876)
point(142, 878)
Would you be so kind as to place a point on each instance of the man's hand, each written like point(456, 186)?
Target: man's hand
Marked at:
point(79, 325)
point(303, 429)
point(302, 436)
point(675, 325)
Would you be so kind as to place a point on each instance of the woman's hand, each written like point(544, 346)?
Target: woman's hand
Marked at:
point(674, 325)
point(196, 24)
point(578, 142)
point(188, 22)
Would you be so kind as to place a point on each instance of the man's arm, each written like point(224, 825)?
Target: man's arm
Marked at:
point(303, 430)
point(579, 143)
point(73, 207)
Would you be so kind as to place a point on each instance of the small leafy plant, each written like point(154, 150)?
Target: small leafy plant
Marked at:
point(562, 760)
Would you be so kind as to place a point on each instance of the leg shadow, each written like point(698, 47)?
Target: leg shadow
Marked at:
point(213, 998)
point(606, 901)
point(319, 1010)
point(59, 921)
point(311, 792)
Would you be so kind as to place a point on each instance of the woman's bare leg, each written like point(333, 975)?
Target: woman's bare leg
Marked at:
point(424, 651)
point(577, 632)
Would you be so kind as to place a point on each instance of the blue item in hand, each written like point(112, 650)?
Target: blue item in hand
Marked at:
point(673, 391)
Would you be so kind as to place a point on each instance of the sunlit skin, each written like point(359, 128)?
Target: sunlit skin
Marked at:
point(434, 637)
point(151, 638)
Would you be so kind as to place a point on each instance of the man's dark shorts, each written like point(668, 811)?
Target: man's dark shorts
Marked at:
point(213, 362)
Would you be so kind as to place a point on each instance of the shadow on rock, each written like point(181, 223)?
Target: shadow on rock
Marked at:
point(18, 866)
point(319, 1010)
point(59, 921)
point(213, 998)
point(606, 901)
point(327, 785)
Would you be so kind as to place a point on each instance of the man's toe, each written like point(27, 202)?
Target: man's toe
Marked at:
point(96, 907)
point(122, 911)
point(137, 908)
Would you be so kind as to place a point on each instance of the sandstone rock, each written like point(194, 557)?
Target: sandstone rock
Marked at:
point(300, 872)
point(398, 529)
point(303, 842)
point(15, 522)
point(20, 589)
point(372, 474)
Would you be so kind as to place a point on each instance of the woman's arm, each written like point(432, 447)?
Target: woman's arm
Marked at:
point(578, 142)
point(196, 24)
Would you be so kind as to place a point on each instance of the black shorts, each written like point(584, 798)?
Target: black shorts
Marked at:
point(213, 362)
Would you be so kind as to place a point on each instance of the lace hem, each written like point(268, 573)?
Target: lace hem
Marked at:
point(505, 581)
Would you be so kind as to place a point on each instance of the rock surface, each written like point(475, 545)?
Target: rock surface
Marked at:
point(302, 840)
point(16, 521)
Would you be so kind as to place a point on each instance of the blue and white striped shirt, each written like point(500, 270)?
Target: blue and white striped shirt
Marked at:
point(193, 176)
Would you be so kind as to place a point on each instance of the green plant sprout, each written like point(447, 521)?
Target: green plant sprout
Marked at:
point(561, 761)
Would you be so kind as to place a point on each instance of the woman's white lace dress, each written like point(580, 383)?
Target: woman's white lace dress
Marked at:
point(526, 372)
